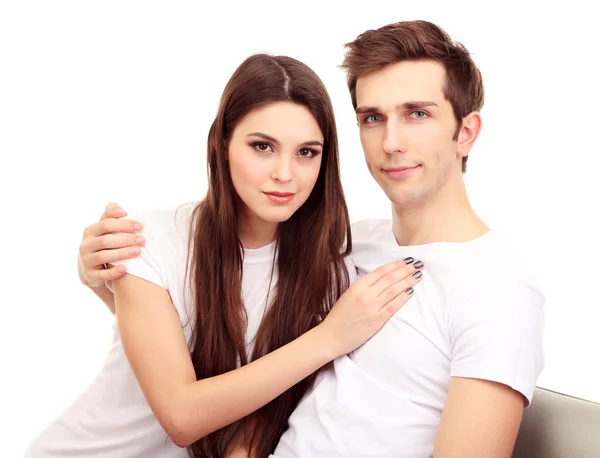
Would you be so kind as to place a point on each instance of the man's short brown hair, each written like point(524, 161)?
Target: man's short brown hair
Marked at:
point(413, 41)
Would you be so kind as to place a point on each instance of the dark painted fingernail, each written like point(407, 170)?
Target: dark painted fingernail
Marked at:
point(409, 260)
point(409, 291)
point(418, 274)
point(418, 265)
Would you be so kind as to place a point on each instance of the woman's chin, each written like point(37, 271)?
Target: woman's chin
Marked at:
point(277, 215)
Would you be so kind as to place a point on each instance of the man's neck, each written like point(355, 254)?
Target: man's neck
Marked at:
point(445, 216)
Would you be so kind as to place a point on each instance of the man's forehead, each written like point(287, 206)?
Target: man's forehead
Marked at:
point(402, 82)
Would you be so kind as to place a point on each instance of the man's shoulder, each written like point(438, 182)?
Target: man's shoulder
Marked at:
point(497, 260)
point(495, 271)
point(484, 266)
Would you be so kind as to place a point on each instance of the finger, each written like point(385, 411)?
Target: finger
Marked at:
point(104, 275)
point(110, 225)
point(375, 275)
point(404, 271)
point(397, 288)
point(94, 260)
point(389, 309)
point(115, 212)
point(111, 242)
point(109, 207)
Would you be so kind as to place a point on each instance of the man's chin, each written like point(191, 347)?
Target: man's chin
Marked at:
point(403, 199)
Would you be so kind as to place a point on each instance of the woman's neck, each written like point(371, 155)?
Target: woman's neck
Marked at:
point(255, 232)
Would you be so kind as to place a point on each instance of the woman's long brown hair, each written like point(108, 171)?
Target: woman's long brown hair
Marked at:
point(311, 247)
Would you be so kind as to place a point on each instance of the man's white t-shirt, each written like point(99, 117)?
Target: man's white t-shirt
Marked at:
point(476, 313)
point(112, 417)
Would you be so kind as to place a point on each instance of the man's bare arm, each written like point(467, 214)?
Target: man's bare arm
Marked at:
point(481, 419)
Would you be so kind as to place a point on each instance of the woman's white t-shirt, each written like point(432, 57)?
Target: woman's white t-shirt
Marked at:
point(112, 418)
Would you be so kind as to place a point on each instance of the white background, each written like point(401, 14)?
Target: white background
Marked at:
point(110, 100)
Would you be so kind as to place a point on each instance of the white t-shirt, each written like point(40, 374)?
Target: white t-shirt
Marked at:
point(112, 417)
point(475, 314)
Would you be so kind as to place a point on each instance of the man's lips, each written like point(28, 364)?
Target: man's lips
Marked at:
point(400, 172)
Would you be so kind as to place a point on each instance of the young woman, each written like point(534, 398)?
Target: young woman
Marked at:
point(236, 301)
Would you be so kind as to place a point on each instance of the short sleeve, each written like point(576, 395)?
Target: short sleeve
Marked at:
point(352, 273)
point(497, 335)
point(147, 265)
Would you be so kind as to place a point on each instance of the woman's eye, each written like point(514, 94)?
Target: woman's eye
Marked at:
point(307, 152)
point(261, 146)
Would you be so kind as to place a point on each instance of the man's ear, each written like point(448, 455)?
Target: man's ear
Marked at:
point(468, 133)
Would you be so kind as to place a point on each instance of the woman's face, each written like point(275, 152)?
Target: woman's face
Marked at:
point(275, 156)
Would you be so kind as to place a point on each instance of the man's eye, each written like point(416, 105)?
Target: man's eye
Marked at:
point(419, 114)
point(372, 118)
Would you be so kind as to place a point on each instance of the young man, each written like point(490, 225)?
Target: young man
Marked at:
point(450, 373)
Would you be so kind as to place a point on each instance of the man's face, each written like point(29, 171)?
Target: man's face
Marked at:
point(406, 129)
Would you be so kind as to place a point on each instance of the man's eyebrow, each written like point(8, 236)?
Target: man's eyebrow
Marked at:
point(416, 105)
point(412, 105)
point(361, 110)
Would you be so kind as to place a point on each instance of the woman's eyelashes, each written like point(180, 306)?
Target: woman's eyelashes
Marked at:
point(265, 147)
point(261, 147)
point(308, 152)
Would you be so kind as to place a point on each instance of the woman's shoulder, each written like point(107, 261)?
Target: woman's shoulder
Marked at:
point(171, 221)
